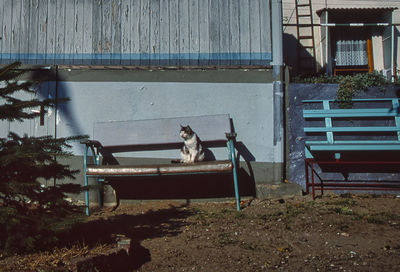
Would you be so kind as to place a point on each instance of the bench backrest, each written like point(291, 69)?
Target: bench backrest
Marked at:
point(165, 131)
point(376, 117)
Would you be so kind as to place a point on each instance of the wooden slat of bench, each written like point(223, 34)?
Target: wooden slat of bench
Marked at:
point(354, 100)
point(351, 129)
point(343, 113)
point(372, 142)
point(354, 147)
point(160, 169)
point(160, 131)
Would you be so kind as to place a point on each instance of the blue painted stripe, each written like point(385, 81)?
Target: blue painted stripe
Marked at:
point(139, 58)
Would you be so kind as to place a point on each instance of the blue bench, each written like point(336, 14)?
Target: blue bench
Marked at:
point(157, 134)
point(335, 134)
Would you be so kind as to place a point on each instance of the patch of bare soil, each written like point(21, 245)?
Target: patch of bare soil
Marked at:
point(333, 233)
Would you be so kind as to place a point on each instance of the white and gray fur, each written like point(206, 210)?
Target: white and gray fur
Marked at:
point(192, 150)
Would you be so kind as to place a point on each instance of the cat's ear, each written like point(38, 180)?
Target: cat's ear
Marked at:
point(182, 126)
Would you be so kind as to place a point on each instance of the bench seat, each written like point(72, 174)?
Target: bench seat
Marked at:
point(160, 169)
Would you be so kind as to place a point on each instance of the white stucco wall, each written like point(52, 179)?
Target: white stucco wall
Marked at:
point(250, 105)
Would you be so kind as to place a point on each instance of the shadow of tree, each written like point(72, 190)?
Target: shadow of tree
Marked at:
point(137, 227)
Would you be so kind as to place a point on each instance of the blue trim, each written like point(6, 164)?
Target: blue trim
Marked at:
point(262, 58)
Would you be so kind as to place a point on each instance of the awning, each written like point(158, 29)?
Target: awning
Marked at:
point(364, 10)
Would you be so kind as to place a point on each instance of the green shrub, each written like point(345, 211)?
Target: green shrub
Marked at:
point(349, 85)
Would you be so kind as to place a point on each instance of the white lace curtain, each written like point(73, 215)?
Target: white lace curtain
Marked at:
point(351, 53)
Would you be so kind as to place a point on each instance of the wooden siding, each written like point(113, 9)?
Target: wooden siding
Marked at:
point(136, 32)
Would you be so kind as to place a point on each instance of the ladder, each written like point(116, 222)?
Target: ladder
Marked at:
point(305, 35)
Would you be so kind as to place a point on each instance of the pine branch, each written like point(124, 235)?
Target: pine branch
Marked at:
point(24, 162)
point(6, 72)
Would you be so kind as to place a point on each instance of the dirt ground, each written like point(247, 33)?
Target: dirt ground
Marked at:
point(332, 233)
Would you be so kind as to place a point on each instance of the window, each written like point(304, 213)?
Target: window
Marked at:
point(351, 49)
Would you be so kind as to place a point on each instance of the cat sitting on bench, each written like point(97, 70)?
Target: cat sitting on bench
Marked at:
point(192, 150)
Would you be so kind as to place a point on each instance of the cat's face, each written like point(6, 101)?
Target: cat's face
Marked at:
point(186, 132)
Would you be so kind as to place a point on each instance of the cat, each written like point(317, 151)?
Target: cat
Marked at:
point(192, 149)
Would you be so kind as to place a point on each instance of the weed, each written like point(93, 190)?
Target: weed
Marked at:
point(381, 217)
point(196, 211)
point(375, 196)
point(225, 239)
point(357, 217)
point(342, 202)
point(298, 208)
point(364, 196)
point(240, 215)
point(68, 222)
point(292, 211)
point(346, 195)
point(226, 211)
point(342, 210)
point(318, 79)
point(201, 217)
point(375, 220)
point(335, 209)
point(289, 214)
point(344, 227)
point(346, 211)
point(252, 246)
point(271, 216)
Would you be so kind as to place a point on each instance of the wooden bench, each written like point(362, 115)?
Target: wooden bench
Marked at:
point(362, 135)
point(157, 134)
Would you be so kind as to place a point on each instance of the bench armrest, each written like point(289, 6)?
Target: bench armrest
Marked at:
point(231, 135)
point(93, 143)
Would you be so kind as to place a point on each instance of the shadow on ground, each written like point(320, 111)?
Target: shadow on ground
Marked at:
point(138, 227)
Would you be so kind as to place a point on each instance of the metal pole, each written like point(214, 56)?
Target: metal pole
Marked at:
point(86, 184)
point(55, 114)
point(327, 64)
point(278, 94)
point(394, 74)
point(56, 105)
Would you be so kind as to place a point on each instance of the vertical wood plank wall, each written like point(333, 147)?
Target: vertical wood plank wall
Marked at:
point(136, 32)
